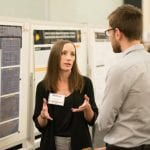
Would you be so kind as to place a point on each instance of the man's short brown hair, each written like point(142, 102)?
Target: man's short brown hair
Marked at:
point(129, 20)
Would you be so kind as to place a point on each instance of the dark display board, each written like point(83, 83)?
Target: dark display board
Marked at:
point(10, 45)
point(137, 3)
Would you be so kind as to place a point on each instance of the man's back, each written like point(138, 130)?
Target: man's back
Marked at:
point(124, 111)
point(132, 76)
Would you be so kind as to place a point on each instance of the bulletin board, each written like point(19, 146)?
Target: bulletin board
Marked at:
point(13, 83)
point(44, 35)
point(100, 58)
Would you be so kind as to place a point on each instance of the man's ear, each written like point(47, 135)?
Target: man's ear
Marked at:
point(118, 34)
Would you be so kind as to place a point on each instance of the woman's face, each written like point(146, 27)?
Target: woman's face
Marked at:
point(67, 57)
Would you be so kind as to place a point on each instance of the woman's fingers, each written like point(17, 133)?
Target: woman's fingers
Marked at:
point(45, 110)
point(83, 106)
point(86, 97)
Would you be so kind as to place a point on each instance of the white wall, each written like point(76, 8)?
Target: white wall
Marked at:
point(146, 21)
point(93, 12)
point(82, 11)
point(146, 12)
point(34, 9)
point(78, 11)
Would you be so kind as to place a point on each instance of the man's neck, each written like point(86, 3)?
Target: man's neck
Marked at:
point(126, 44)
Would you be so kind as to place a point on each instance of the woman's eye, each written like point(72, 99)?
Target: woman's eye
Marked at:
point(63, 53)
point(72, 54)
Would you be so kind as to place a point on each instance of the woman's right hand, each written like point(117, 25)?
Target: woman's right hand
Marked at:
point(44, 112)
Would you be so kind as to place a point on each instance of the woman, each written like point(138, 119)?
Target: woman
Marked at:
point(65, 104)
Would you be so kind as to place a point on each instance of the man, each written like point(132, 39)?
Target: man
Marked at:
point(125, 110)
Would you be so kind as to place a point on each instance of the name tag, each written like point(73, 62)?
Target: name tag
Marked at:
point(56, 99)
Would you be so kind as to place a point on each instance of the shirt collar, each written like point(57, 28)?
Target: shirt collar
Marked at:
point(133, 48)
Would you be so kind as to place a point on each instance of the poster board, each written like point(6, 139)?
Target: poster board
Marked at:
point(13, 82)
point(44, 35)
point(100, 58)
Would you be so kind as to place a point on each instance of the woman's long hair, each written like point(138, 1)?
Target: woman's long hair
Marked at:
point(76, 81)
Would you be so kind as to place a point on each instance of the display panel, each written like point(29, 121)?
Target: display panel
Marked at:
point(101, 58)
point(44, 36)
point(10, 45)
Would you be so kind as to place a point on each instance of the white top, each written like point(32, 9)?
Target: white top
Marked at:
point(125, 108)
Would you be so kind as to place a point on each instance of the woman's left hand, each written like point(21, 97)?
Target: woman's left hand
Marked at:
point(84, 107)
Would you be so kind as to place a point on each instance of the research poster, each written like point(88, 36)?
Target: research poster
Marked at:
point(44, 36)
point(10, 45)
point(101, 59)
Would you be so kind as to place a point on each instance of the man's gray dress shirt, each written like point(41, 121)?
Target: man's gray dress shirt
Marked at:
point(125, 108)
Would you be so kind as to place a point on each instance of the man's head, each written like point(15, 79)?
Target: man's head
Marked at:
point(127, 20)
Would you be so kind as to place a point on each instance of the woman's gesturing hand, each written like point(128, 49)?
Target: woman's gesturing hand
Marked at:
point(44, 112)
point(85, 105)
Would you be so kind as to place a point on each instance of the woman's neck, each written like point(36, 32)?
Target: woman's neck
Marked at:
point(64, 77)
point(63, 86)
